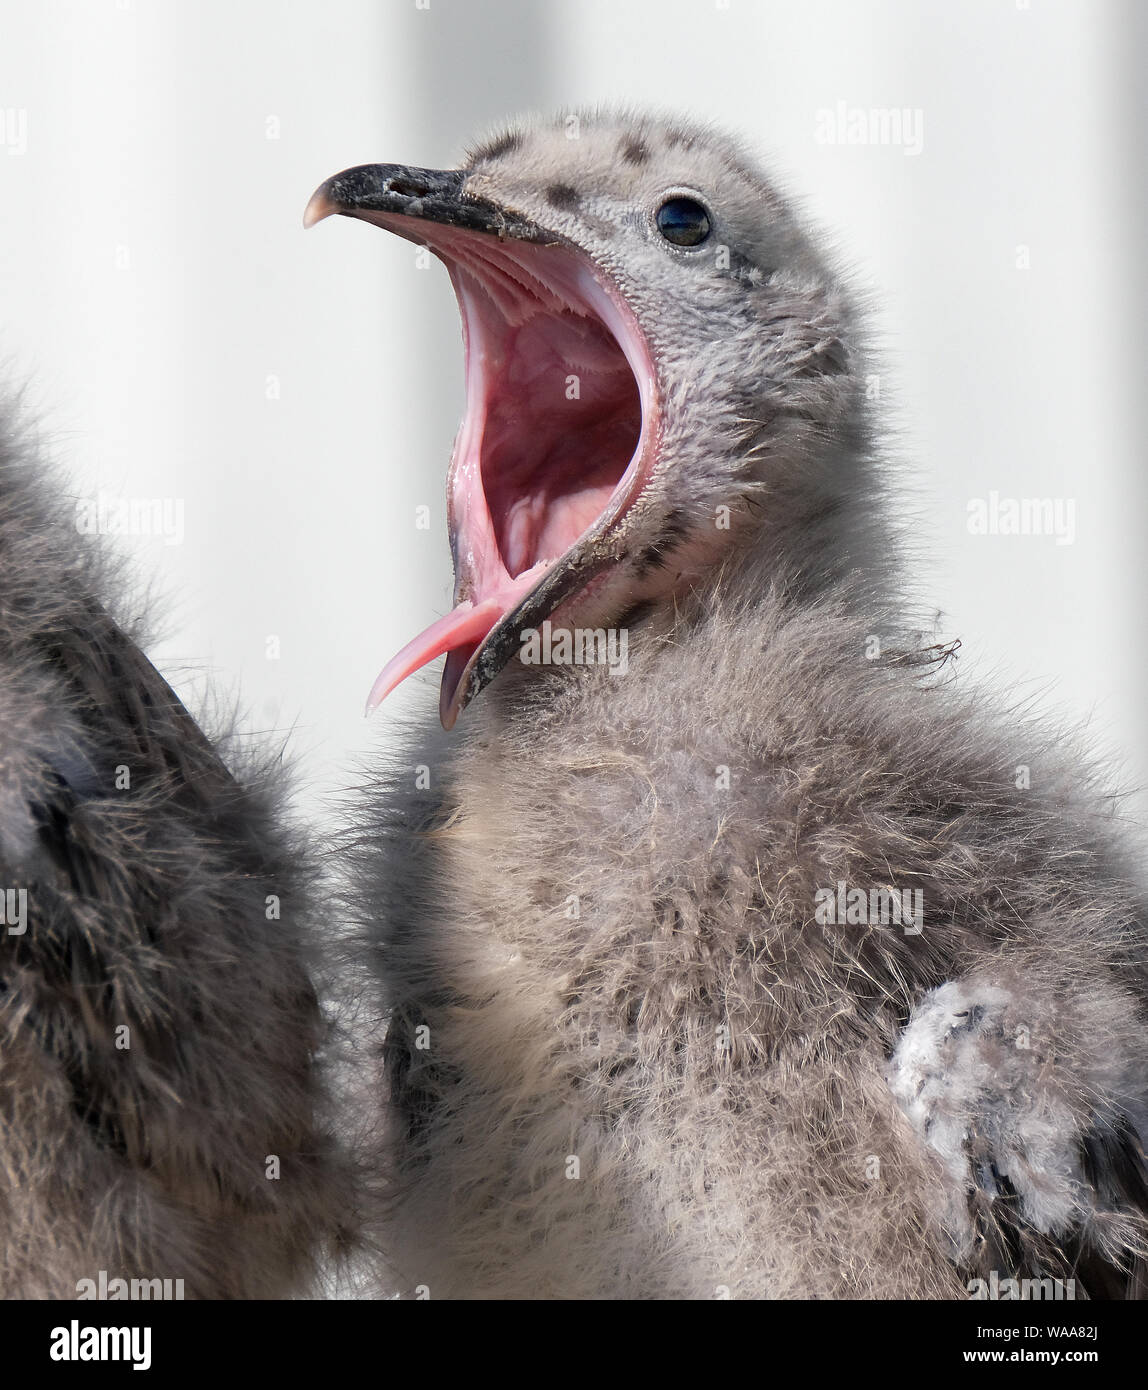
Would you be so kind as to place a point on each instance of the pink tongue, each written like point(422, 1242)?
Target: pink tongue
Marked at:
point(465, 626)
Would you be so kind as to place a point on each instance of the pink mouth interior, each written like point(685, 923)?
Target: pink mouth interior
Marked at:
point(557, 378)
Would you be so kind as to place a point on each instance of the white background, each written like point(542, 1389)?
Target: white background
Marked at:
point(154, 279)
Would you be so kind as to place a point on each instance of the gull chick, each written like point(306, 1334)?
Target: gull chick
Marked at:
point(729, 948)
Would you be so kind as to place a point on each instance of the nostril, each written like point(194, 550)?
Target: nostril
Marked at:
point(411, 188)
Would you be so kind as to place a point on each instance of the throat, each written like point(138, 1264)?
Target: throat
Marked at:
point(559, 418)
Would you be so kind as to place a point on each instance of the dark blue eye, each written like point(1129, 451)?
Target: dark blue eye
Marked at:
point(683, 221)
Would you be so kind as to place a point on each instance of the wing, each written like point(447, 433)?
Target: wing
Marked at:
point(1032, 1098)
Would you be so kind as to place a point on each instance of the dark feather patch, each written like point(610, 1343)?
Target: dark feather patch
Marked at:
point(500, 145)
point(561, 195)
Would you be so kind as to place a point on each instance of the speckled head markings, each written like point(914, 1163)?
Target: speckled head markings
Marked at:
point(653, 348)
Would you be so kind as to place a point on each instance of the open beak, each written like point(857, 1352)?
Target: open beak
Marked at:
point(558, 438)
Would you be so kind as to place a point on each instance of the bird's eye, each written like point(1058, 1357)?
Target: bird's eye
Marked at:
point(683, 221)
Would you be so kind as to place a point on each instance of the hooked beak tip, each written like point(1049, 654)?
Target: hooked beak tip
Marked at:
point(319, 207)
